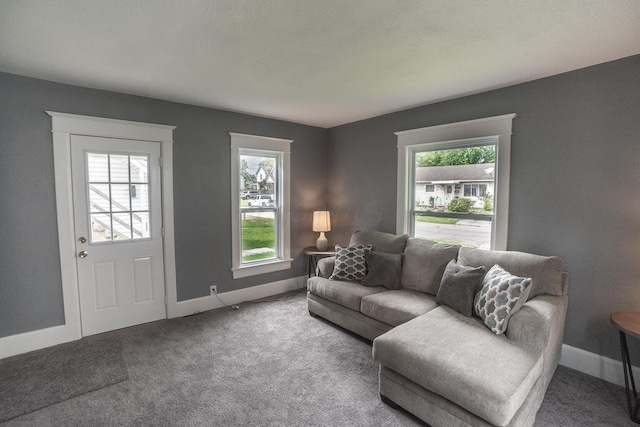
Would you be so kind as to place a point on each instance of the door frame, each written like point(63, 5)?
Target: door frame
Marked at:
point(63, 126)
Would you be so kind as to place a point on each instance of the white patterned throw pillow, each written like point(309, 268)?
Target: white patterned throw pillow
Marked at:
point(502, 295)
point(350, 263)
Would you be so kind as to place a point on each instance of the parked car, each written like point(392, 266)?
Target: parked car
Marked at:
point(262, 200)
point(248, 194)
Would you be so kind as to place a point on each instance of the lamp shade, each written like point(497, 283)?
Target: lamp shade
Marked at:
point(321, 221)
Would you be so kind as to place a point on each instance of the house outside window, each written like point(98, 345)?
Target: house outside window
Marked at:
point(475, 180)
point(460, 210)
point(469, 205)
point(260, 204)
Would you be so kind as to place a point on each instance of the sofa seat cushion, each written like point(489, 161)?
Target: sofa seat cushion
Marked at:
point(346, 294)
point(458, 358)
point(397, 306)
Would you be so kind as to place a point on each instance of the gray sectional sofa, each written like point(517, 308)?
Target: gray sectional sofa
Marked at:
point(436, 361)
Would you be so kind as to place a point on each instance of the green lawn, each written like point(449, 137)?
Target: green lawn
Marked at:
point(437, 219)
point(258, 233)
point(258, 257)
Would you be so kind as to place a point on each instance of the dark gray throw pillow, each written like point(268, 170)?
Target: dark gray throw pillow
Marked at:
point(459, 286)
point(384, 270)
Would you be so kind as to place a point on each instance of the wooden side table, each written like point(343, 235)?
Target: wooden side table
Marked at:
point(312, 257)
point(628, 323)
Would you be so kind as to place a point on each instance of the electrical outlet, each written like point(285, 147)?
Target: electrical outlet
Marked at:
point(213, 290)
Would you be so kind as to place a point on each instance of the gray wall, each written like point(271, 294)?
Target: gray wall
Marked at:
point(575, 182)
point(575, 179)
point(30, 282)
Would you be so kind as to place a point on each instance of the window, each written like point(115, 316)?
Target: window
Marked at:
point(429, 188)
point(475, 190)
point(470, 201)
point(260, 204)
point(118, 196)
point(462, 212)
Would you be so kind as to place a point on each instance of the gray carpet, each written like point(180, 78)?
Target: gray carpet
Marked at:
point(39, 379)
point(271, 364)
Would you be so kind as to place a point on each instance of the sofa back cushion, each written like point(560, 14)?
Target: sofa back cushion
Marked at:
point(380, 242)
point(545, 271)
point(383, 270)
point(424, 264)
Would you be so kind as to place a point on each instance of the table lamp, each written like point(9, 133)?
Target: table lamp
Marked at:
point(321, 223)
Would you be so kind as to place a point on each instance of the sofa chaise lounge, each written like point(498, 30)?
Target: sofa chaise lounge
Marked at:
point(438, 359)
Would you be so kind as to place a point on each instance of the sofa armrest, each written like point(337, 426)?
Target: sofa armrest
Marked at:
point(539, 327)
point(325, 267)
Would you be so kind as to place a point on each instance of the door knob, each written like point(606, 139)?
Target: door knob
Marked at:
point(82, 240)
point(83, 254)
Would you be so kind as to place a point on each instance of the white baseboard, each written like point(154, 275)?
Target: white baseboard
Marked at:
point(581, 360)
point(35, 340)
point(595, 365)
point(198, 305)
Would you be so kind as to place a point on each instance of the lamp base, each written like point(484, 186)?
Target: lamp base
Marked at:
point(322, 243)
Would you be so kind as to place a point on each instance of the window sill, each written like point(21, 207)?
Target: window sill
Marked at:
point(261, 268)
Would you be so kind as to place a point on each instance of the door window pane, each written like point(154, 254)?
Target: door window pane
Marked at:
point(99, 200)
point(118, 190)
point(100, 228)
point(139, 169)
point(141, 229)
point(140, 197)
point(120, 201)
point(119, 167)
point(98, 167)
point(121, 226)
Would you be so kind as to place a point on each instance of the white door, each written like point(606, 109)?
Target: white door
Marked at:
point(118, 231)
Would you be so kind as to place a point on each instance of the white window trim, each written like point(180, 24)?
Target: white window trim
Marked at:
point(434, 137)
point(253, 142)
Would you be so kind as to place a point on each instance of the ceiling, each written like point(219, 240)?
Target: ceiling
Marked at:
point(317, 62)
